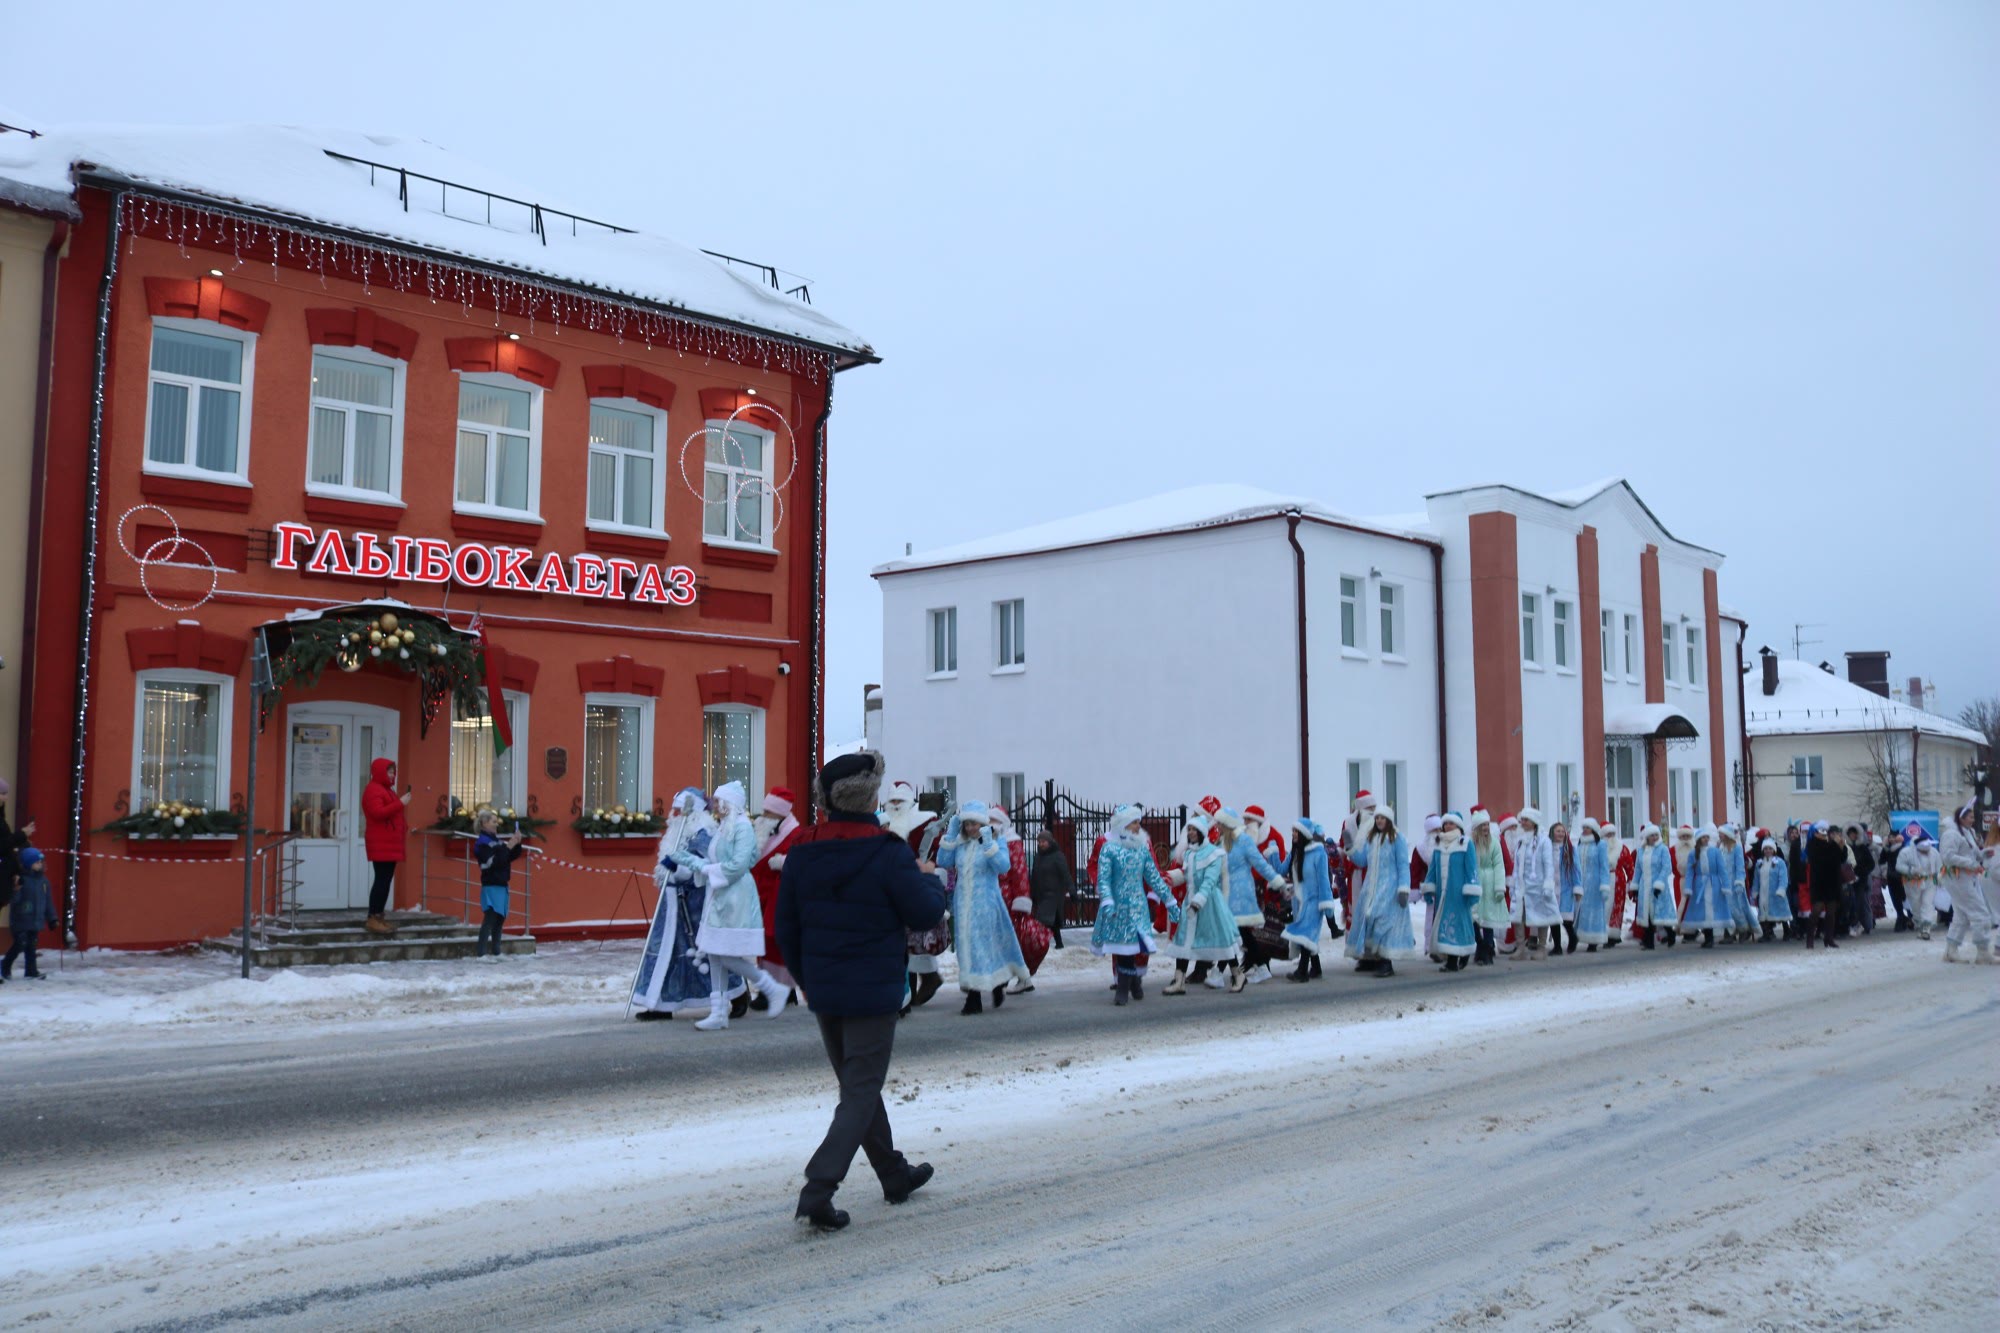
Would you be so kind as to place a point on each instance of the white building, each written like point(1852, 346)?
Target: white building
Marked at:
point(1269, 650)
point(1826, 748)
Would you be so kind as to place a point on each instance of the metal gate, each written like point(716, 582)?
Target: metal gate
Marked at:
point(1076, 826)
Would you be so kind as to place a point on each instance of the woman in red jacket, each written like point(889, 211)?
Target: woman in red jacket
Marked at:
point(387, 831)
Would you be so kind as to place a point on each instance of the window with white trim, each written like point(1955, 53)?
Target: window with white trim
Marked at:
point(180, 750)
point(357, 424)
point(737, 495)
point(627, 477)
point(1010, 789)
point(1695, 662)
point(1559, 617)
point(618, 751)
point(1808, 773)
point(1352, 633)
point(1631, 647)
point(1697, 784)
point(198, 399)
point(1358, 779)
point(946, 787)
point(1677, 796)
point(479, 776)
point(1395, 781)
point(499, 446)
point(1605, 660)
point(944, 641)
point(1537, 784)
point(732, 747)
point(1391, 601)
point(1669, 645)
point(1010, 626)
point(1566, 792)
point(1531, 628)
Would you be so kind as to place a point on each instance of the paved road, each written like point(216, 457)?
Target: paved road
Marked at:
point(1697, 1140)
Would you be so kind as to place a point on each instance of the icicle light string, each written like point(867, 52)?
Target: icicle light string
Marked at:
point(471, 289)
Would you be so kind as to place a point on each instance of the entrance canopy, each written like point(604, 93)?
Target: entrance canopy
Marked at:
point(1649, 722)
point(383, 635)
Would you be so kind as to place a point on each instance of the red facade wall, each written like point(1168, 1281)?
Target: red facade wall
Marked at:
point(1590, 603)
point(1496, 671)
point(756, 614)
point(1656, 680)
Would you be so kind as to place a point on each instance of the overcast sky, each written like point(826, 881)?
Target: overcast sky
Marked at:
point(1745, 254)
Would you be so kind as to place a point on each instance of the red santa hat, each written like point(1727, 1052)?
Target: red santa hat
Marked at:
point(779, 801)
point(1255, 812)
point(1508, 821)
point(902, 791)
point(1210, 806)
point(1364, 799)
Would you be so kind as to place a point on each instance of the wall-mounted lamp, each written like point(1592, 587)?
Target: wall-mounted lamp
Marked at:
point(215, 273)
point(513, 337)
point(1374, 573)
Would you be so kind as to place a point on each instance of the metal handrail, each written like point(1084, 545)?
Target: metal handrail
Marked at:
point(537, 213)
point(275, 866)
point(467, 899)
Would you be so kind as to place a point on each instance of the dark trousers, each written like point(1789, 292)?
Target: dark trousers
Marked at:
point(1482, 947)
point(24, 943)
point(858, 1049)
point(489, 934)
point(378, 892)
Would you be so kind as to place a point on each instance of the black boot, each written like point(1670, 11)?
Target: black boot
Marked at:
point(1708, 939)
point(1770, 931)
point(1316, 972)
point(823, 1217)
point(1200, 973)
point(1122, 986)
point(1137, 983)
point(1646, 940)
point(1387, 969)
point(740, 1005)
point(999, 994)
point(1303, 971)
point(928, 985)
point(972, 1004)
point(1569, 929)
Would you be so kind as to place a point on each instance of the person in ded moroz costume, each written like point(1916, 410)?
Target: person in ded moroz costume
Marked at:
point(732, 920)
point(673, 976)
point(776, 828)
point(902, 816)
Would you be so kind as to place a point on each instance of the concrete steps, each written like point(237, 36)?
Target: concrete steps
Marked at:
point(332, 938)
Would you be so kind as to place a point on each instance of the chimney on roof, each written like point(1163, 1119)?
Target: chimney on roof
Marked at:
point(1827, 667)
point(1770, 660)
point(1870, 671)
point(1916, 691)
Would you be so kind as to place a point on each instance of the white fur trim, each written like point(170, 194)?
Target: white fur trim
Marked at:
point(1022, 904)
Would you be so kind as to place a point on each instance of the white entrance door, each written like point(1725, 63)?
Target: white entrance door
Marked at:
point(328, 750)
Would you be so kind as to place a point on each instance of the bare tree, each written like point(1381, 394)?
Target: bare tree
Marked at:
point(1884, 781)
point(1983, 716)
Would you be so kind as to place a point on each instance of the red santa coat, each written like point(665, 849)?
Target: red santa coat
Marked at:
point(766, 870)
point(1622, 871)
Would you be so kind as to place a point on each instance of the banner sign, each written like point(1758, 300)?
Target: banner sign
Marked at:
point(1902, 819)
point(364, 555)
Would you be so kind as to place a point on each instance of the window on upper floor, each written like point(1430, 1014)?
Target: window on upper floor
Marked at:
point(1009, 635)
point(1531, 628)
point(1559, 625)
point(944, 641)
point(1631, 647)
point(1695, 661)
point(1808, 773)
point(357, 423)
point(1391, 597)
point(198, 400)
point(1605, 660)
point(1669, 645)
point(627, 477)
point(737, 493)
point(1352, 633)
point(499, 446)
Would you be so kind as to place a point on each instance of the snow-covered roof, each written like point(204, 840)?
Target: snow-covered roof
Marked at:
point(1176, 511)
point(1578, 496)
point(283, 171)
point(1810, 700)
point(1664, 720)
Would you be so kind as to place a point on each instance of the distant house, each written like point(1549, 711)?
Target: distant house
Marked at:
point(1826, 748)
point(1504, 647)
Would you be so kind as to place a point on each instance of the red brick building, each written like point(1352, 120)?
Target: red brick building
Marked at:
point(297, 381)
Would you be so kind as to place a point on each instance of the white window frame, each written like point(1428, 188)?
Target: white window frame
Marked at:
point(1635, 661)
point(398, 413)
point(1670, 646)
point(1538, 786)
point(223, 732)
point(1353, 610)
point(1697, 779)
point(1677, 796)
point(740, 427)
point(935, 669)
point(533, 513)
point(1808, 774)
point(1692, 639)
point(1566, 791)
point(1003, 637)
point(755, 786)
point(658, 524)
point(1016, 783)
point(1562, 612)
point(516, 703)
point(946, 786)
point(1607, 621)
point(1531, 630)
point(646, 704)
point(193, 385)
point(1395, 785)
point(1360, 778)
point(1389, 601)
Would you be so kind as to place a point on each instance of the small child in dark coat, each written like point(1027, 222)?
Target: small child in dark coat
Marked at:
point(496, 857)
point(33, 912)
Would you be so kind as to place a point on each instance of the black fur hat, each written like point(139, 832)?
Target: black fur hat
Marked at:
point(851, 783)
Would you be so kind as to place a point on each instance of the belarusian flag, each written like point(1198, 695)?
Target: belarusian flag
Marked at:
point(496, 697)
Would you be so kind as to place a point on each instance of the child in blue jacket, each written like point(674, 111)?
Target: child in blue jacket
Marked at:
point(496, 856)
point(34, 911)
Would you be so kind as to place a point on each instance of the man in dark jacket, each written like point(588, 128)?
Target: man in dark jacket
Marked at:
point(1861, 894)
point(849, 894)
point(1826, 858)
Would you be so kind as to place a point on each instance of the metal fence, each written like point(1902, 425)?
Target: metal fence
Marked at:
point(1076, 826)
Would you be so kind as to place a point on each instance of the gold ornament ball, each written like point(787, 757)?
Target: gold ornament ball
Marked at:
point(374, 636)
point(388, 621)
